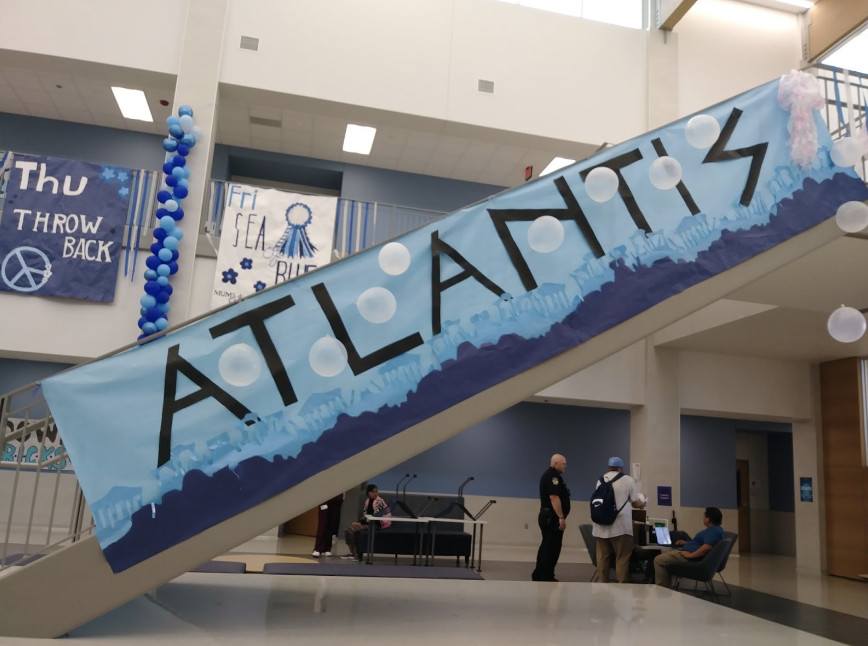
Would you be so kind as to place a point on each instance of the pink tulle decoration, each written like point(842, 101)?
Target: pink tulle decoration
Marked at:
point(800, 94)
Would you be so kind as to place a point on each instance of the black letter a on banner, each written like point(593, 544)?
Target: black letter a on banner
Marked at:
point(175, 363)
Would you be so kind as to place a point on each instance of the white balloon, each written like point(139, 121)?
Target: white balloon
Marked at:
point(846, 324)
point(545, 234)
point(665, 173)
point(186, 123)
point(394, 258)
point(328, 357)
point(852, 217)
point(601, 184)
point(702, 131)
point(377, 305)
point(240, 365)
point(196, 132)
point(846, 152)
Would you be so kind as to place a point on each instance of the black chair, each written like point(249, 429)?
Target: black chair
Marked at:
point(733, 537)
point(703, 570)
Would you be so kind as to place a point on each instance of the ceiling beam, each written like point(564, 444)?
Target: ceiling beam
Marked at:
point(669, 12)
point(832, 21)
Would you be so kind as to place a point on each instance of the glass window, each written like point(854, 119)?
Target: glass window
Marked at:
point(852, 56)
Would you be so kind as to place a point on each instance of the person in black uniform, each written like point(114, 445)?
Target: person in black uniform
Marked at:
point(554, 500)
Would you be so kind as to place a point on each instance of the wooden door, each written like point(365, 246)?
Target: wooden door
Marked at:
point(742, 468)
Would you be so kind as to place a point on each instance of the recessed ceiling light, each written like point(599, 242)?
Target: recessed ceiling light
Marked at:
point(133, 104)
point(359, 139)
point(556, 164)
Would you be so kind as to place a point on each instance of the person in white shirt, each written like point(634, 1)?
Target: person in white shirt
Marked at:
point(617, 539)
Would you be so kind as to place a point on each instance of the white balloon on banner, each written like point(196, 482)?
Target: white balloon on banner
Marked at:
point(377, 305)
point(601, 184)
point(394, 258)
point(852, 217)
point(240, 365)
point(702, 131)
point(846, 152)
point(846, 324)
point(545, 234)
point(665, 173)
point(328, 357)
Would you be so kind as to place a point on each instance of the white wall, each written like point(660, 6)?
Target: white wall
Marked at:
point(754, 448)
point(425, 58)
point(138, 35)
point(726, 47)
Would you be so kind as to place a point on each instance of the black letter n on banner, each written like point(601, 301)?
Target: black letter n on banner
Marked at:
point(175, 363)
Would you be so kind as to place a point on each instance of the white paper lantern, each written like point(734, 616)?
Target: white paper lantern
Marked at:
point(394, 258)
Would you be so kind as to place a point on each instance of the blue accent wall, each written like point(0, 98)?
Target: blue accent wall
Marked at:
point(80, 141)
point(507, 453)
point(782, 494)
point(16, 373)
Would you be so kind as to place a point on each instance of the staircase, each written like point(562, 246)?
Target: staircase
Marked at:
point(501, 300)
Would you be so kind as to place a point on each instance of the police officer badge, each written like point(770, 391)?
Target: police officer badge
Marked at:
point(554, 481)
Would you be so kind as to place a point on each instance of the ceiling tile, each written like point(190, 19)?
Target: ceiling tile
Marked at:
point(297, 120)
point(386, 150)
point(24, 79)
point(421, 141)
point(480, 150)
point(439, 171)
point(69, 101)
point(296, 137)
point(7, 93)
point(415, 155)
point(102, 106)
point(464, 175)
point(295, 148)
point(12, 105)
point(3, 80)
point(237, 140)
point(270, 144)
point(79, 116)
point(410, 166)
point(471, 165)
point(233, 113)
point(42, 111)
point(109, 120)
point(51, 81)
point(443, 159)
point(332, 142)
point(262, 112)
point(330, 126)
point(354, 158)
point(509, 154)
point(265, 132)
point(228, 127)
point(450, 145)
point(391, 136)
point(141, 126)
point(325, 152)
point(94, 90)
point(34, 97)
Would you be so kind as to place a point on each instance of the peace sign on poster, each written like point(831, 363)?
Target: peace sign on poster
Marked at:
point(62, 228)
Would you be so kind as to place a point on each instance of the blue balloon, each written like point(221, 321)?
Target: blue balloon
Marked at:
point(178, 171)
point(183, 150)
point(150, 274)
point(164, 307)
point(163, 196)
point(183, 182)
point(153, 263)
point(163, 270)
point(153, 313)
point(172, 206)
point(165, 255)
point(167, 289)
point(177, 233)
point(142, 321)
point(162, 280)
point(173, 267)
point(180, 192)
point(161, 213)
point(152, 288)
point(178, 214)
point(167, 168)
point(170, 242)
point(149, 328)
point(155, 248)
point(188, 140)
point(170, 145)
point(148, 301)
point(171, 180)
point(167, 222)
point(176, 131)
point(161, 324)
point(185, 110)
point(160, 234)
point(162, 297)
point(172, 120)
point(175, 254)
point(177, 160)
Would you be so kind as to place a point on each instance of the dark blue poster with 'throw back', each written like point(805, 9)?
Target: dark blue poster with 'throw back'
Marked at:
point(61, 228)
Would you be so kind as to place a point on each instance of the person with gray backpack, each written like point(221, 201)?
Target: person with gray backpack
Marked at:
point(613, 523)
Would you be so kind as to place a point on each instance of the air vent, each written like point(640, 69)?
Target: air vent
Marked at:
point(259, 121)
point(486, 86)
point(250, 43)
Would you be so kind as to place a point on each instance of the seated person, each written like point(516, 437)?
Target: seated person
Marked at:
point(691, 550)
point(373, 506)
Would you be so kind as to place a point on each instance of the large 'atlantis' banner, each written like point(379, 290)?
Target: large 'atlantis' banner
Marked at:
point(269, 237)
point(63, 222)
point(177, 435)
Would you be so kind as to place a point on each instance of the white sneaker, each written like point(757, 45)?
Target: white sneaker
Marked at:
point(326, 553)
point(315, 554)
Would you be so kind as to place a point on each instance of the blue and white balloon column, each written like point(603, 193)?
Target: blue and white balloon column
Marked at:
point(163, 261)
